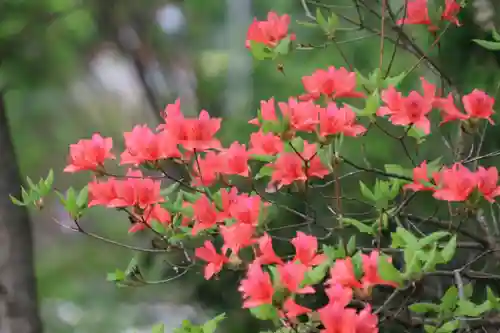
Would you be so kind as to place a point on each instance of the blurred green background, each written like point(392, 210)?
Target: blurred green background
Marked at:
point(73, 67)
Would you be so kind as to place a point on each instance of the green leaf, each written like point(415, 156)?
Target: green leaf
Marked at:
point(158, 227)
point(468, 290)
point(398, 170)
point(70, 202)
point(265, 171)
point(449, 299)
point(296, 145)
point(449, 327)
point(322, 22)
point(470, 309)
point(333, 23)
point(264, 312)
point(387, 271)
point(340, 250)
point(432, 238)
point(395, 80)
point(191, 197)
point(358, 225)
point(325, 155)
point(283, 48)
point(83, 196)
point(262, 158)
point(16, 202)
point(372, 104)
point(410, 240)
point(492, 46)
point(118, 275)
point(49, 181)
point(430, 329)
point(424, 307)
point(260, 51)
point(412, 261)
point(449, 249)
point(375, 78)
point(418, 134)
point(364, 82)
point(329, 251)
point(188, 327)
point(211, 325)
point(496, 35)
point(307, 24)
point(357, 263)
point(351, 245)
point(492, 298)
point(317, 274)
point(170, 189)
point(366, 192)
point(31, 184)
point(431, 262)
point(158, 328)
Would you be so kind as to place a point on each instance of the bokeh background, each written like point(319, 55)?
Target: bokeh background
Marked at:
point(69, 68)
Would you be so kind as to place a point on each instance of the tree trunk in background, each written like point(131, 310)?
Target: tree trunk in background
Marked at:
point(18, 298)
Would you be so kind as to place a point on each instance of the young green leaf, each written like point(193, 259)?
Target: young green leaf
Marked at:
point(358, 225)
point(307, 24)
point(260, 51)
point(372, 104)
point(432, 238)
point(262, 158)
point(496, 35)
point(170, 189)
point(158, 328)
point(322, 22)
point(424, 307)
point(211, 325)
point(283, 48)
point(366, 192)
point(264, 312)
point(449, 327)
point(265, 171)
point(394, 80)
point(317, 274)
point(449, 249)
point(82, 198)
point(16, 201)
point(387, 271)
point(492, 46)
point(158, 227)
point(449, 299)
point(495, 304)
point(410, 240)
point(431, 262)
point(117, 275)
point(351, 245)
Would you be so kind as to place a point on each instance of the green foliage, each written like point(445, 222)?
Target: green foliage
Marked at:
point(492, 46)
point(159, 328)
point(36, 192)
point(209, 327)
point(328, 25)
point(422, 255)
point(387, 271)
point(74, 203)
point(265, 312)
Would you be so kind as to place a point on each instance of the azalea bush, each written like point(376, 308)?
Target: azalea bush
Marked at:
point(410, 271)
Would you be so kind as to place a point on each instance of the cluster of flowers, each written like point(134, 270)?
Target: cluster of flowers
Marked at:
point(192, 142)
point(258, 288)
point(417, 12)
point(414, 109)
point(456, 183)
